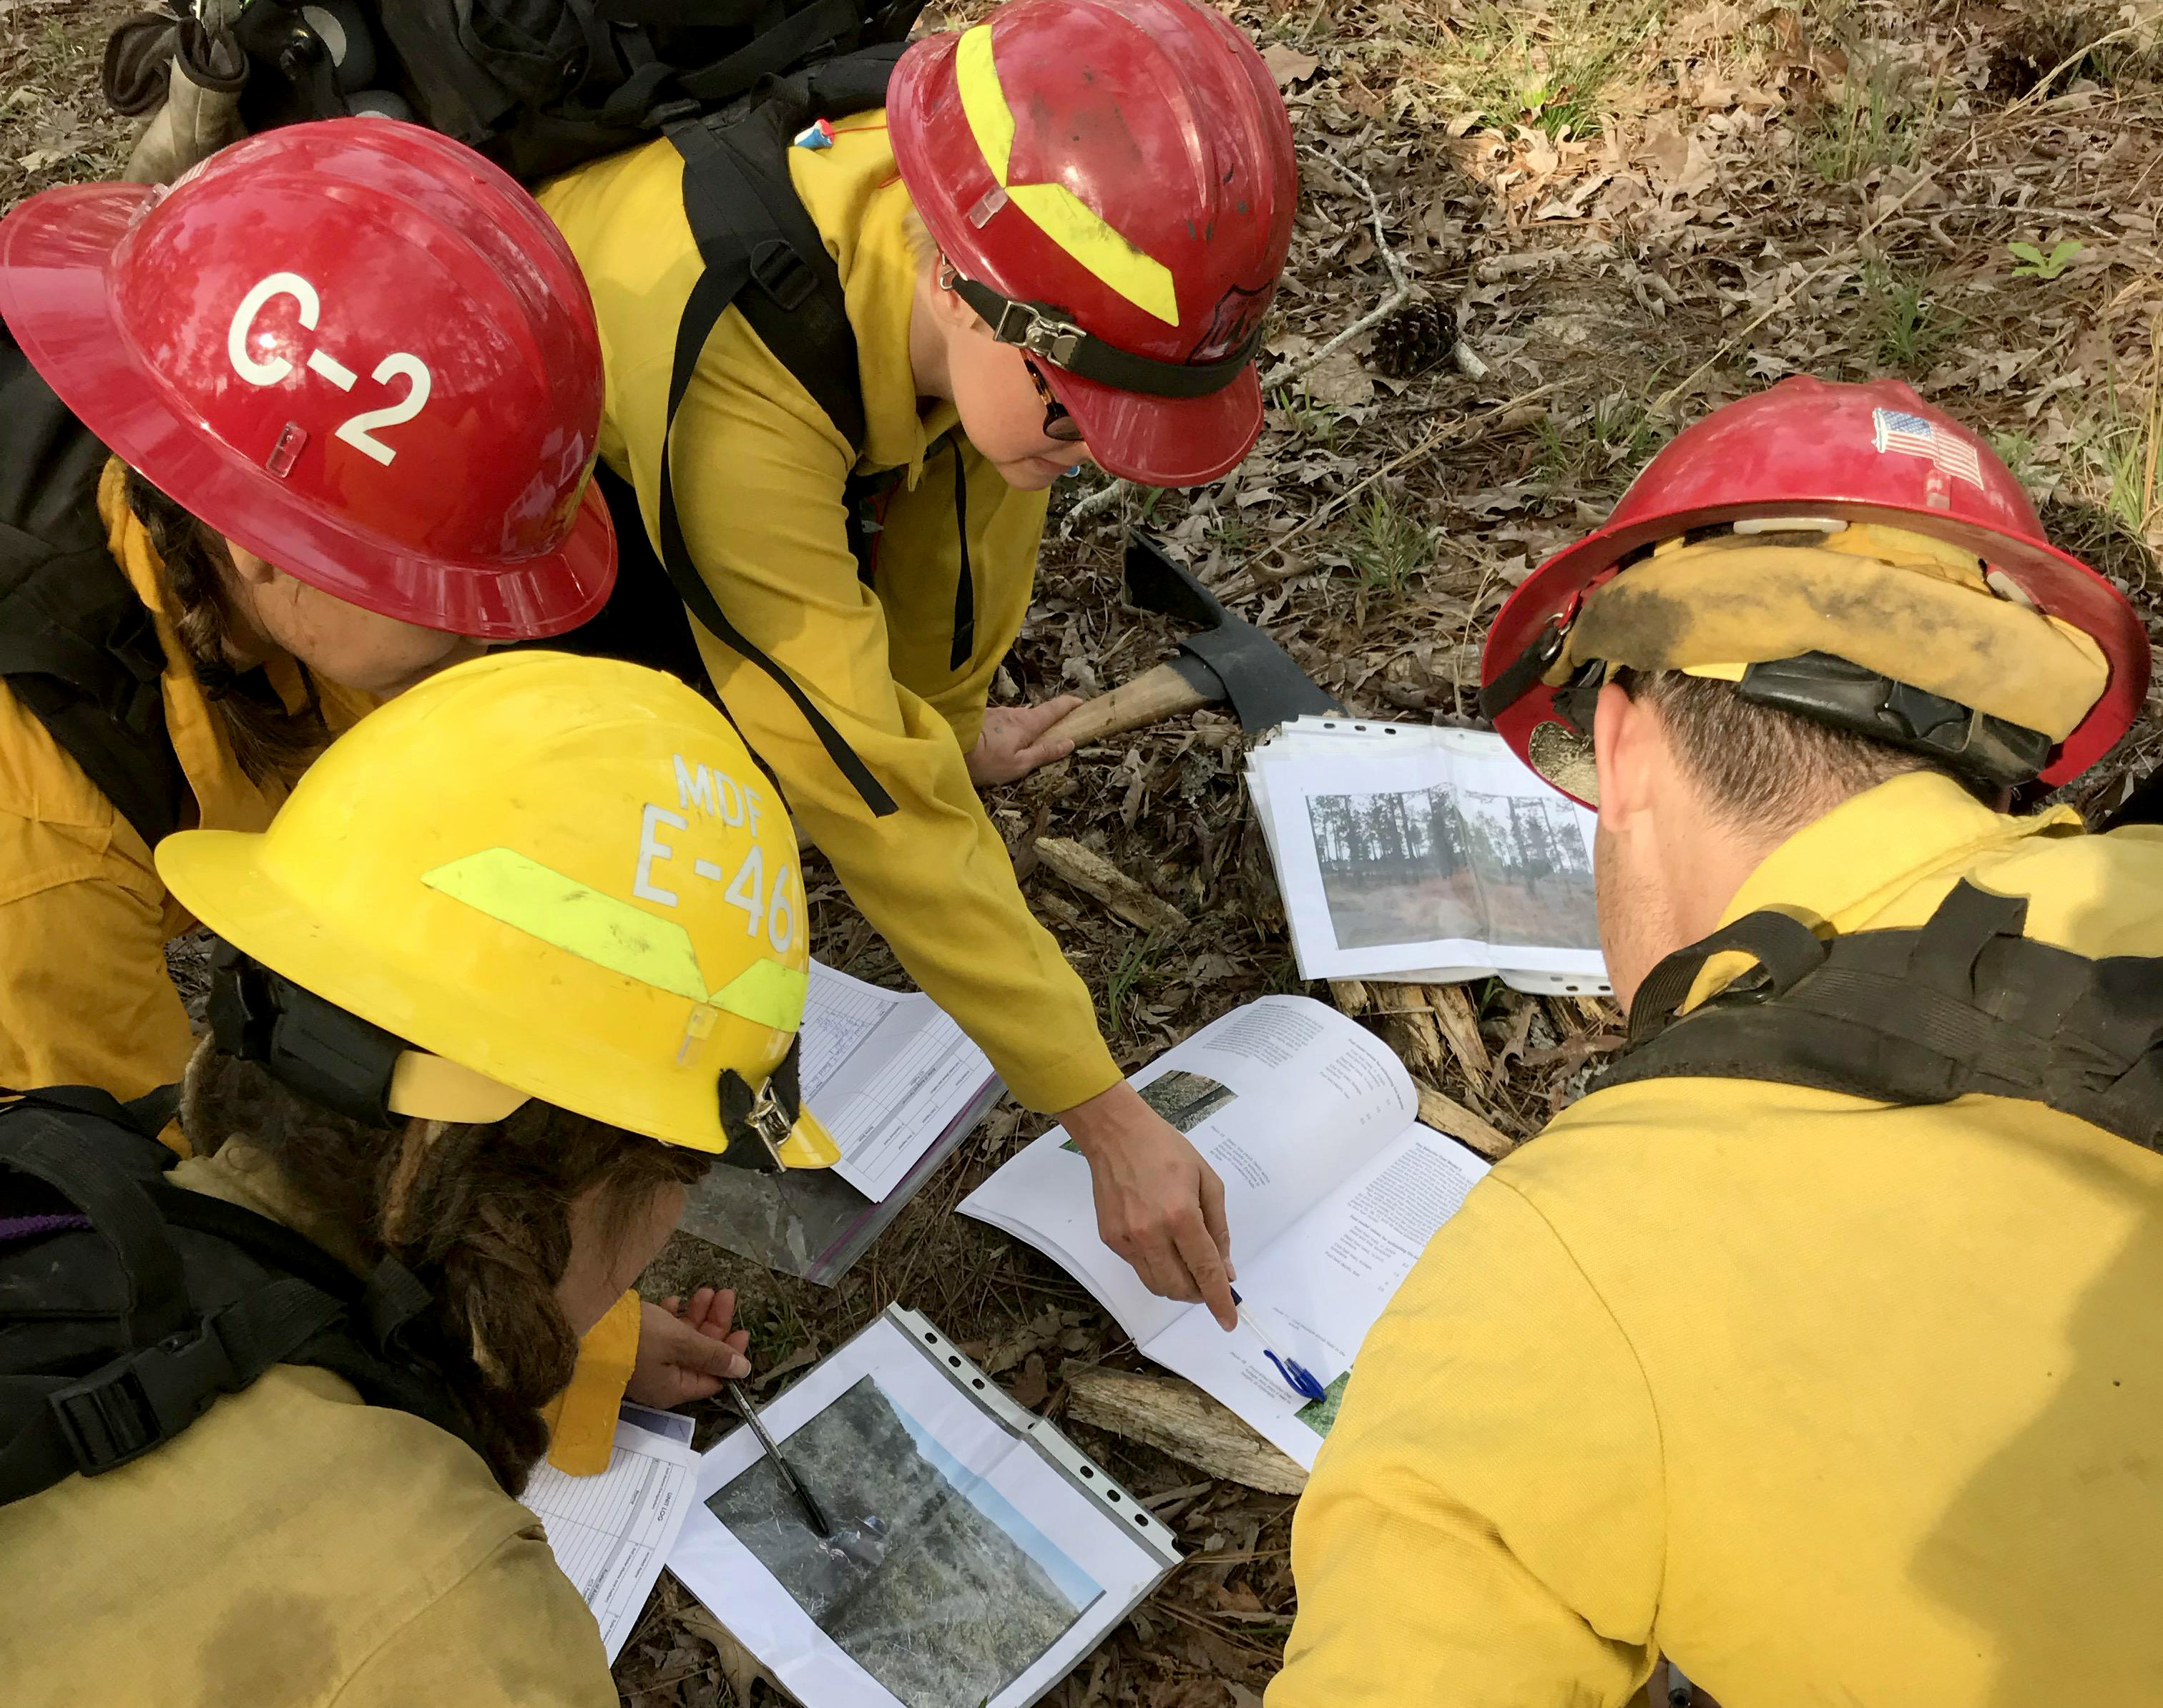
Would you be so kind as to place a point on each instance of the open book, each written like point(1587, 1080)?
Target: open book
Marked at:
point(1412, 852)
point(1332, 1187)
point(899, 1085)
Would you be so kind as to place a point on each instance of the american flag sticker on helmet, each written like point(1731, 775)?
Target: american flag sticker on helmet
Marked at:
point(1911, 436)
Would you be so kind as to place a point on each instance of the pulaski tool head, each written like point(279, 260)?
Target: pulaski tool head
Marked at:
point(1226, 657)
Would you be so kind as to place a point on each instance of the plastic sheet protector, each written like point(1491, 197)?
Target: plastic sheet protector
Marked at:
point(976, 1554)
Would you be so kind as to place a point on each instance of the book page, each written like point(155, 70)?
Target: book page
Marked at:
point(1320, 1285)
point(964, 1567)
point(1399, 858)
point(610, 1531)
point(1285, 1098)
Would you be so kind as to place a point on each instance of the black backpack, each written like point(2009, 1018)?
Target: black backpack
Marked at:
point(539, 86)
point(128, 1305)
point(77, 645)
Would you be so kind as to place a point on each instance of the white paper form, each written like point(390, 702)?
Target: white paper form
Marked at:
point(1283, 1096)
point(611, 1532)
point(888, 1072)
point(1320, 1285)
point(988, 1573)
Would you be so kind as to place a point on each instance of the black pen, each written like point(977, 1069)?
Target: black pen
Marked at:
point(820, 1525)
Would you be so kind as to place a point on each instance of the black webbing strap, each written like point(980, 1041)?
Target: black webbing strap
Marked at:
point(964, 648)
point(1963, 1005)
point(820, 27)
point(710, 170)
point(1049, 331)
point(39, 1140)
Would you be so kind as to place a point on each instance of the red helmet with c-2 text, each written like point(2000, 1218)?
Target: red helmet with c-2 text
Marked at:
point(353, 347)
point(1871, 464)
point(1113, 182)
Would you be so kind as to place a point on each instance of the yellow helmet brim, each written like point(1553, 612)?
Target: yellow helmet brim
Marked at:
point(222, 877)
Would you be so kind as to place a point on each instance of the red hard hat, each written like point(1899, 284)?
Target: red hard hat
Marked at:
point(1113, 181)
point(354, 347)
point(1866, 453)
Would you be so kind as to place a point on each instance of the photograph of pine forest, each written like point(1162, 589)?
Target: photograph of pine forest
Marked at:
point(1421, 865)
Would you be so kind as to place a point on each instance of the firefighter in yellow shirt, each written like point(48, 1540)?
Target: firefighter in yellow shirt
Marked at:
point(1817, 1347)
point(299, 1484)
point(1055, 242)
point(238, 514)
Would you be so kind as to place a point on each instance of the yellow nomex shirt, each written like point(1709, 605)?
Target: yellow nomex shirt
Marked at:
point(761, 479)
point(1833, 1403)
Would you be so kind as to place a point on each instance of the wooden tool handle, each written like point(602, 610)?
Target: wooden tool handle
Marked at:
point(1149, 698)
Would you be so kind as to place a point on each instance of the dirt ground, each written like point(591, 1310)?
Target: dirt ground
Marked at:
point(1596, 219)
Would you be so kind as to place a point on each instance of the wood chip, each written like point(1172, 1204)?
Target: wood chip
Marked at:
point(1460, 1024)
point(1104, 884)
point(1445, 1114)
point(1176, 1417)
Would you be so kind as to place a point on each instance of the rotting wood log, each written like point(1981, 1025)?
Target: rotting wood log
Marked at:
point(1176, 1417)
point(1105, 884)
point(1445, 1114)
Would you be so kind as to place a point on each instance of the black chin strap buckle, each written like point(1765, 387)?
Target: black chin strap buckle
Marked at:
point(757, 1124)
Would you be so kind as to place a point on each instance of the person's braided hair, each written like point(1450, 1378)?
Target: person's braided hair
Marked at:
point(480, 1213)
point(270, 742)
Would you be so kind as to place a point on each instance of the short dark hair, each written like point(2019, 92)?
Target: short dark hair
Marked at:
point(1762, 768)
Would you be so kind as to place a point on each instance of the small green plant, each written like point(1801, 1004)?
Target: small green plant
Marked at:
point(1136, 965)
point(1875, 122)
point(1317, 422)
point(2035, 265)
point(1906, 326)
point(2017, 451)
point(1392, 546)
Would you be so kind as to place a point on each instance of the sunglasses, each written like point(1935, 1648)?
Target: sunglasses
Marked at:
point(1058, 426)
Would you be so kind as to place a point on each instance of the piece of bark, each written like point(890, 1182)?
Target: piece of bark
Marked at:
point(1104, 884)
point(1445, 1114)
point(1176, 1417)
point(1460, 1024)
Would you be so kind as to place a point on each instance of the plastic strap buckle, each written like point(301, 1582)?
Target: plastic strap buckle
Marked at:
point(143, 1399)
point(780, 272)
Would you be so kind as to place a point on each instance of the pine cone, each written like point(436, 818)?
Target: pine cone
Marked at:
point(1413, 340)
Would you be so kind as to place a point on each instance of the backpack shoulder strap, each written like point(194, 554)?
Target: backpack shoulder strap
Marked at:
point(186, 1334)
point(77, 645)
point(1963, 1004)
point(752, 230)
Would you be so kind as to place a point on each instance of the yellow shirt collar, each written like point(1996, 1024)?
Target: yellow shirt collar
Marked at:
point(1842, 870)
point(881, 288)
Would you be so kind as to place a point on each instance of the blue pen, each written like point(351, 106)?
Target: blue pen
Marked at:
point(1297, 1375)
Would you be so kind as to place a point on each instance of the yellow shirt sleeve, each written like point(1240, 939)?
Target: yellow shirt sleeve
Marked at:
point(84, 996)
point(512, 1633)
point(760, 493)
point(1485, 1527)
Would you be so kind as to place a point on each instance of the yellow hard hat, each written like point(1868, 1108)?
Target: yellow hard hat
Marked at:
point(541, 877)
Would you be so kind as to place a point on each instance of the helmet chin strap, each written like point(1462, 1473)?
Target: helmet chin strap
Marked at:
point(1049, 332)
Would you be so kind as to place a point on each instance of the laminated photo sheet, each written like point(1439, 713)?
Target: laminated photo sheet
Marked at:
point(899, 1085)
point(978, 1555)
point(1426, 854)
point(1331, 1189)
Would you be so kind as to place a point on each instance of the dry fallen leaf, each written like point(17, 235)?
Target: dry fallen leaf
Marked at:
point(1288, 65)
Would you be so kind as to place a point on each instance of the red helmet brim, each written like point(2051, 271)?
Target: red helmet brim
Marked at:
point(1163, 441)
point(56, 298)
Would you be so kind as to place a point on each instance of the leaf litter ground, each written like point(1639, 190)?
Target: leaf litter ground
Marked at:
point(1591, 223)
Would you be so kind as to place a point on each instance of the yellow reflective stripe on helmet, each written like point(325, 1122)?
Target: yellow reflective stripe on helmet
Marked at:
point(768, 993)
point(1054, 209)
point(573, 917)
point(596, 926)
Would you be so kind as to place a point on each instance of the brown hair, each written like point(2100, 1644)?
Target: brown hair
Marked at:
point(481, 1214)
point(271, 743)
point(1764, 770)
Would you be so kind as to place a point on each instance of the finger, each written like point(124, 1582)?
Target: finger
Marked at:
point(701, 1355)
point(1214, 1219)
point(740, 1343)
point(1164, 1272)
point(672, 1305)
point(1205, 1264)
point(1039, 718)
